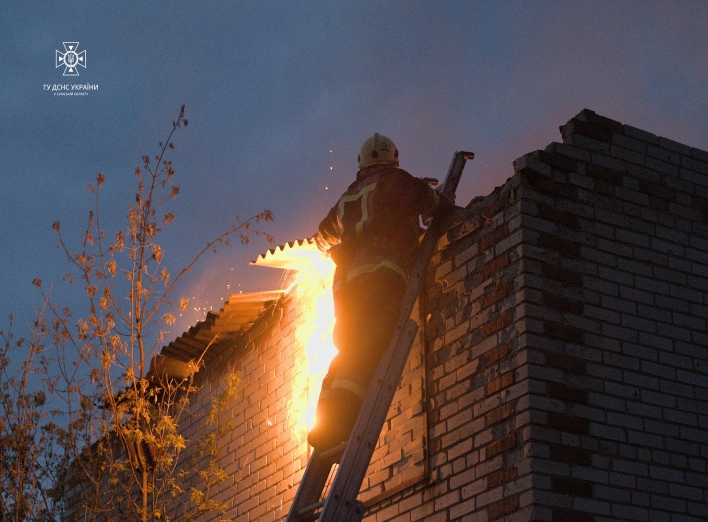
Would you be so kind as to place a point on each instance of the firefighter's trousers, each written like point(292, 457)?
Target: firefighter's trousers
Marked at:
point(366, 311)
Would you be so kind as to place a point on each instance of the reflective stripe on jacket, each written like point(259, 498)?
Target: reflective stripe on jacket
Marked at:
point(375, 224)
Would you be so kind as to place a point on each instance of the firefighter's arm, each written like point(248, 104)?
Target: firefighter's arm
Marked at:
point(329, 232)
point(436, 203)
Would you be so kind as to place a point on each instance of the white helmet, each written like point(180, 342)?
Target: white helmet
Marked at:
point(378, 149)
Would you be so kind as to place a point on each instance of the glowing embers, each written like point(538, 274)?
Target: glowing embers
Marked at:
point(313, 334)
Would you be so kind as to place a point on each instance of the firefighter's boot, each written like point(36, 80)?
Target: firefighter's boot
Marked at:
point(335, 418)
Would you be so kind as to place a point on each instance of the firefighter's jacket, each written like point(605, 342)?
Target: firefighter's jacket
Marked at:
point(375, 224)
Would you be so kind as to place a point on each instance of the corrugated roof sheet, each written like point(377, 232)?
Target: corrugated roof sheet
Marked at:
point(294, 255)
point(239, 313)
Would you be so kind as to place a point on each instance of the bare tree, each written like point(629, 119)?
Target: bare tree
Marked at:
point(122, 413)
point(33, 460)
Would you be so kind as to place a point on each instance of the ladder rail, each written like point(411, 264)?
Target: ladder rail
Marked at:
point(341, 504)
point(313, 481)
point(360, 448)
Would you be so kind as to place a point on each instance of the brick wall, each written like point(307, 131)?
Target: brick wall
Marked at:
point(615, 277)
point(568, 368)
point(266, 453)
point(564, 370)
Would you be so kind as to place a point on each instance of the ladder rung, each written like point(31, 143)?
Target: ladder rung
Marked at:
point(333, 454)
point(310, 510)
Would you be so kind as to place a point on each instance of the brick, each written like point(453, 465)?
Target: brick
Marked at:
point(699, 204)
point(602, 121)
point(443, 270)
point(658, 203)
point(495, 265)
point(497, 324)
point(496, 354)
point(581, 181)
point(501, 476)
point(661, 166)
point(558, 302)
point(699, 154)
point(557, 161)
point(501, 382)
point(495, 207)
point(675, 146)
point(571, 455)
point(511, 243)
point(580, 128)
point(571, 515)
point(606, 174)
point(494, 237)
point(561, 218)
point(629, 143)
point(664, 154)
point(466, 507)
point(604, 187)
point(694, 165)
point(627, 155)
point(570, 151)
point(464, 229)
point(447, 500)
point(630, 513)
point(565, 333)
point(497, 293)
point(500, 413)
point(503, 507)
point(544, 185)
point(568, 486)
point(563, 246)
point(557, 390)
point(602, 314)
point(689, 294)
point(640, 134)
point(568, 423)
point(563, 275)
point(500, 446)
point(657, 190)
point(565, 362)
point(633, 196)
point(666, 474)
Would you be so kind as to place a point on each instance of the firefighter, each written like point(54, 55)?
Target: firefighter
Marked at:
point(372, 234)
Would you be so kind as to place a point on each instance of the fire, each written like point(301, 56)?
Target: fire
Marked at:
point(314, 335)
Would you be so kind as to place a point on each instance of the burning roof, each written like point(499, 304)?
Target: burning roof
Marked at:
point(237, 316)
point(240, 311)
point(293, 255)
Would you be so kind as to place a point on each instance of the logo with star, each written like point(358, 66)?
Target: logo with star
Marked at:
point(70, 59)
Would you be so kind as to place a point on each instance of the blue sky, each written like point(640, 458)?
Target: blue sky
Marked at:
point(280, 95)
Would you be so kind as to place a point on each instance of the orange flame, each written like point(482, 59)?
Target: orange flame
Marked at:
point(314, 334)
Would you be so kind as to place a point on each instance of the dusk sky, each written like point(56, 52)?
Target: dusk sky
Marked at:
point(280, 96)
